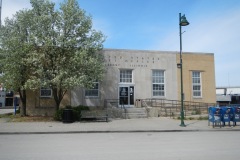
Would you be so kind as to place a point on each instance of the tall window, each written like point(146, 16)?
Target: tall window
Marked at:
point(126, 76)
point(196, 84)
point(158, 83)
point(93, 92)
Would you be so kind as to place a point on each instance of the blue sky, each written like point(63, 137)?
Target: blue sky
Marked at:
point(153, 25)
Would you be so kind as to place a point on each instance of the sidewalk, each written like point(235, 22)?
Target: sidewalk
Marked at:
point(162, 124)
point(6, 110)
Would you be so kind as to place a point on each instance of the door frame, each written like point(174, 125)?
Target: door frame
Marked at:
point(130, 93)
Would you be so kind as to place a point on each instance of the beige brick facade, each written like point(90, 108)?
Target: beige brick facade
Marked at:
point(40, 106)
point(203, 62)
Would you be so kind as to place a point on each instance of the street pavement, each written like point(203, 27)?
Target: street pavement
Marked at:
point(152, 138)
point(153, 124)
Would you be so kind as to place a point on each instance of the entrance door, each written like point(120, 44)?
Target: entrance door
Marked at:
point(126, 96)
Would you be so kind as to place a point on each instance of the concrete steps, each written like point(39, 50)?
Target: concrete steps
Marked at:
point(134, 113)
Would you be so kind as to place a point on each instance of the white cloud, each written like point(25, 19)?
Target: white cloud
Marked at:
point(218, 35)
point(10, 7)
point(104, 26)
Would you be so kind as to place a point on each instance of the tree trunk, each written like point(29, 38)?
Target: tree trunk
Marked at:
point(58, 96)
point(23, 98)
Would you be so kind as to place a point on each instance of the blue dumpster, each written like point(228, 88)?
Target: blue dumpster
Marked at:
point(236, 115)
point(227, 115)
point(214, 116)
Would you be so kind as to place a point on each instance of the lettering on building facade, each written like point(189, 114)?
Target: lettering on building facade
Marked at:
point(133, 62)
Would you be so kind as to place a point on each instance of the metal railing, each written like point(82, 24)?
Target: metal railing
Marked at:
point(168, 108)
point(171, 107)
point(114, 108)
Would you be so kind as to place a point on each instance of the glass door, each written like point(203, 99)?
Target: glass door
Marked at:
point(126, 96)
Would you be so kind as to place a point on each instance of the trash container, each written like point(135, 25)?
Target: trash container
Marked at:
point(67, 116)
point(138, 103)
point(214, 116)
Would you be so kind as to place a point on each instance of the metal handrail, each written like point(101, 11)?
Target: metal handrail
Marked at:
point(116, 101)
point(165, 104)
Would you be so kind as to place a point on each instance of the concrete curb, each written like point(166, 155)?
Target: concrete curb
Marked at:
point(120, 131)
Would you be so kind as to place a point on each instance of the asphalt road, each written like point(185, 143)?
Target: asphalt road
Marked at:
point(220, 145)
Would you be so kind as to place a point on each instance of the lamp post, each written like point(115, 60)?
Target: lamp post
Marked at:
point(182, 22)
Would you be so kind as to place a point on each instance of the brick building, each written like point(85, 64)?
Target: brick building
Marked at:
point(139, 74)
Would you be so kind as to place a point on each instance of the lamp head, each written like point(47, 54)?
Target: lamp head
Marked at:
point(183, 21)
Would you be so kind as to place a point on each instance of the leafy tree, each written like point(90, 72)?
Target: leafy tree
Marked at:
point(60, 50)
point(14, 40)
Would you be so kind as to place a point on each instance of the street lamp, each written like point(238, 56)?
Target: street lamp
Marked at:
point(182, 22)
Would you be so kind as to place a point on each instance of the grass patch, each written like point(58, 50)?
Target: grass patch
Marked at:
point(203, 118)
point(193, 118)
point(196, 112)
point(19, 118)
point(7, 115)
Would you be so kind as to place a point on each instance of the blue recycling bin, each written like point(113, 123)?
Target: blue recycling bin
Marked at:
point(214, 116)
point(227, 115)
point(236, 115)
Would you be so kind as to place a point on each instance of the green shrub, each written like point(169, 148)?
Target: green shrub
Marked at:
point(68, 107)
point(203, 118)
point(76, 112)
point(82, 108)
point(58, 115)
point(191, 118)
point(18, 110)
point(196, 112)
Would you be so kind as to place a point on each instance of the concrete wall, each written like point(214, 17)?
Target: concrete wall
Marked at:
point(142, 63)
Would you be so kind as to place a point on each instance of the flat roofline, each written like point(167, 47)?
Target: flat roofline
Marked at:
point(157, 51)
point(224, 87)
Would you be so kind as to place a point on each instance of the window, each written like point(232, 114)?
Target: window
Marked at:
point(158, 86)
point(93, 92)
point(196, 84)
point(45, 92)
point(126, 76)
